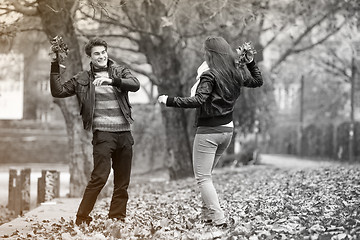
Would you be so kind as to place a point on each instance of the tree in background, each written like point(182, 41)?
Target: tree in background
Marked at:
point(57, 19)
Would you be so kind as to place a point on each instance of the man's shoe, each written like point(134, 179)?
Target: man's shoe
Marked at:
point(80, 221)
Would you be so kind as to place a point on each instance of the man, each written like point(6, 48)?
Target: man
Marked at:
point(102, 92)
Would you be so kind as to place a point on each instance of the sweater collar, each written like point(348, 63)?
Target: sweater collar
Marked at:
point(104, 69)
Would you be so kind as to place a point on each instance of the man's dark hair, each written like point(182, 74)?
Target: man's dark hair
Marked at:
point(94, 42)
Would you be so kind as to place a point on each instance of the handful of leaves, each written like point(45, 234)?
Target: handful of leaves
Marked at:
point(245, 53)
point(59, 48)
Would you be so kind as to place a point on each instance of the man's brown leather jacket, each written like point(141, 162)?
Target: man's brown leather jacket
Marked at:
point(81, 86)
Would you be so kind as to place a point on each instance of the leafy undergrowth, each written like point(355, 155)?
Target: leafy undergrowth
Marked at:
point(267, 203)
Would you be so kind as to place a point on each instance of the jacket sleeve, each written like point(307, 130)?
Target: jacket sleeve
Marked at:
point(255, 80)
point(58, 89)
point(203, 91)
point(123, 79)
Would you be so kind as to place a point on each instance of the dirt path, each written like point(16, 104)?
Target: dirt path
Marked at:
point(54, 211)
point(289, 161)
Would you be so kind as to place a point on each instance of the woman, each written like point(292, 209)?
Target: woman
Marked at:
point(214, 99)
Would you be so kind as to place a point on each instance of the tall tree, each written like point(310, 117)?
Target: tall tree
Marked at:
point(56, 19)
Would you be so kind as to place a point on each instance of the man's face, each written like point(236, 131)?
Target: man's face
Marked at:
point(99, 56)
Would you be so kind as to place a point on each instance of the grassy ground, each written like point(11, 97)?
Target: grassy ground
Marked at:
point(266, 202)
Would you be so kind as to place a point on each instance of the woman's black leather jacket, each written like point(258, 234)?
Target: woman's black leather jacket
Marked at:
point(213, 106)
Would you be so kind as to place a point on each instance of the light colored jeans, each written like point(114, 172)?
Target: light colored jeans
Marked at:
point(207, 150)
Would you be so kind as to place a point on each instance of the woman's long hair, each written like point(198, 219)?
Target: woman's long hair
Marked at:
point(221, 60)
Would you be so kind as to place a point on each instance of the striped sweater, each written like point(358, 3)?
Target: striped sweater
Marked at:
point(107, 115)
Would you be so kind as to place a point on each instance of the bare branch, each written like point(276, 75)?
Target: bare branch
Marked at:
point(87, 36)
point(275, 36)
point(31, 29)
point(172, 8)
point(332, 51)
point(307, 31)
point(334, 69)
point(126, 11)
point(118, 23)
point(217, 12)
point(114, 35)
point(7, 11)
point(321, 40)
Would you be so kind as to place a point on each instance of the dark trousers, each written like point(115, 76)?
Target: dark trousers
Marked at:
point(110, 149)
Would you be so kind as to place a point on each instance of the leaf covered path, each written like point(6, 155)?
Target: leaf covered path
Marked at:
point(266, 202)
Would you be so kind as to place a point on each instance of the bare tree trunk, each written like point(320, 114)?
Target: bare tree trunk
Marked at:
point(178, 146)
point(80, 148)
point(56, 20)
point(161, 48)
point(175, 120)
